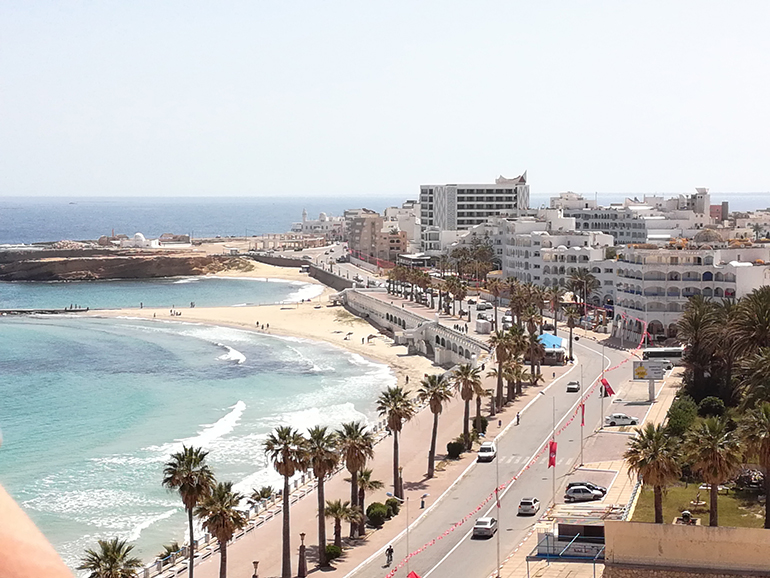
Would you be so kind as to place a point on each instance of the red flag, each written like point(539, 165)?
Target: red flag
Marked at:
point(552, 454)
point(412, 574)
point(582, 414)
point(607, 389)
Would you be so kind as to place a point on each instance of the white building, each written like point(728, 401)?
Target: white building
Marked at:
point(138, 241)
point(333, 228)
point(406, 218)
point(458, 207)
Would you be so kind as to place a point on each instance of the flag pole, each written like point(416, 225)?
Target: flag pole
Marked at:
point(497, 501)
point(553, 439)
point(582, 415)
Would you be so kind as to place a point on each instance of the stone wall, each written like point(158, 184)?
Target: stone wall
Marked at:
point(330, 279)
point(278, 261)
point(630, 571)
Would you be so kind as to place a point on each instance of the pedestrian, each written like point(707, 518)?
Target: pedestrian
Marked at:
point(466, 328)
point(389, 556)
point(407, 379)
point(153, 315)
point(268, 327)
point(141, 305)
point(518, 418)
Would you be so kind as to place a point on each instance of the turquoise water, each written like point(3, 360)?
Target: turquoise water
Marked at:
point(169, 292)
point(91, 409)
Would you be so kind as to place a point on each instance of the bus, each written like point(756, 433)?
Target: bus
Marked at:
point(674, 354)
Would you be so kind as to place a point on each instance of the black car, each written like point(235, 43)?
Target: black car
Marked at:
point(588, 485)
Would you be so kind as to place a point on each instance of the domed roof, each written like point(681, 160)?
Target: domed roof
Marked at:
point(708, 236)
point(139, 237)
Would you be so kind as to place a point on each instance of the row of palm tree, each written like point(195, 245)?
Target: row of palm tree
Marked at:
point(715, 448)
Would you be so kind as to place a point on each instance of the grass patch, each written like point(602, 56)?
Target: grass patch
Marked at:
point(346, 317)
point(736, 509)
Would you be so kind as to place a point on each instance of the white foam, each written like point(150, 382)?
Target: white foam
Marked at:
point(136, 531)
point(232, 355)
point(208, 435)
point(307, 291)
point(187, 280)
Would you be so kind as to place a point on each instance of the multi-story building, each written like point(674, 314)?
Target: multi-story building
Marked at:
point(458, 207)
point(653, 285)
point(406, 218)
point(375, 240)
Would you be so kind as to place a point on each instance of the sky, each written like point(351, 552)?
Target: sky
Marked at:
point(265, 98)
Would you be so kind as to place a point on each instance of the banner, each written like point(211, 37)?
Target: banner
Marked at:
point(552, 454)
point(582, 414)
point(412, 575)
point(607, 389)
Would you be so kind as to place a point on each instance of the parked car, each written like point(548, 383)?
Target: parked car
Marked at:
point(573, 387)
point(483, 306)
point(582, 494)
point(589, 485)
point(529, 506)
point(547, 326)
point(471, 302)
point(485, 527)
point(507, 318)
point(484, 316)
point(307, 258)
point(487, 452)
point(358, 278)
point(620, 419)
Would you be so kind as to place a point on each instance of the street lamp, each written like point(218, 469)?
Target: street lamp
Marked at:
point(404, 501)
point(256, 566)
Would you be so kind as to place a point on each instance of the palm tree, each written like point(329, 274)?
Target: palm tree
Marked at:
point(500, 342)
point(188, 473)
point(751, 322)
point(755, 433)
point(755, 385)
point(554, 295)
point(356, 446)
point(434, 389)
point(287, 449)
point(536, 351)
point(495, 288)
point(572, 317)
point(395, 405)
point(715, 453)
point(758, 231)
point(260, 495)
point(341, 512)
point(324, 457)
point(365, 484)
point(222, 518)
point(653, 456)
point(467, 380)
point(698, 328)
point(583, 283)
point(168, 550)
point(111, 560)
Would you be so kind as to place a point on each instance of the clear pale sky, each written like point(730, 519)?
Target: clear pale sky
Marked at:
point(362, 97)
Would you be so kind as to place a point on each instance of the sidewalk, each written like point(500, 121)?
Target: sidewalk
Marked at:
point(620, 492)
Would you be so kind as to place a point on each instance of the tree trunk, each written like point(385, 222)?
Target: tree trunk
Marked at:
point(519, 388)
point(532, 366)
point(286, 562)
point(499, 393)
point(192, 543)
point(466, 425)
point(222, 559)
point(767, 493)
point(658, 493)
point(555, 324)
point(495, 323)
point(714, 506)
point(338, 533)
point(361, 503)
point(570, 342)
point(509, 390)
point(396, 477)
point(353, 501)
point(477, 419)
point(432, 452)
point(321, 494)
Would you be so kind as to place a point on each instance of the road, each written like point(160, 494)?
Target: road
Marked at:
point(457, 554)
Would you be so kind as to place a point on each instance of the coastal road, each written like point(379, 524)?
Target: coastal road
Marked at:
point(458, 554)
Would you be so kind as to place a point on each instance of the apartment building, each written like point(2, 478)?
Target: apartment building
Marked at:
point(373, 239)
point(458, 207)
point(406, 218)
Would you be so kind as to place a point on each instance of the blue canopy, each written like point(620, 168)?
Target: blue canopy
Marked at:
point(550, 341)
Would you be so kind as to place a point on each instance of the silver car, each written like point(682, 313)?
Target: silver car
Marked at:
point(529, 506)
point(582, 494)
point(485, 527)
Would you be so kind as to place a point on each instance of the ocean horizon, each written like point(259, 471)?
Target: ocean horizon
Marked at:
point(25, 220)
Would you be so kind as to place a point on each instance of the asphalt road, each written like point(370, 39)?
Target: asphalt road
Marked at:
point(458, 554)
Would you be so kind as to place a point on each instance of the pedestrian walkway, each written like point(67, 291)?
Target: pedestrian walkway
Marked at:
point(620, 492)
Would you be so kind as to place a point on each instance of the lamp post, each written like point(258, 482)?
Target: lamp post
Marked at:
point(256, 571)
point(302, 565)
point(582, 415)
point(404, 501)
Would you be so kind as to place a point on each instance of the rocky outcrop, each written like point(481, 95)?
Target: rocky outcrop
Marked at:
point(40, 268)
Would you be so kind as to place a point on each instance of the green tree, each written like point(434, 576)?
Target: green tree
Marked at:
point(366, 483)
point(681, 415)
point(698, 327)
point(500, 342)
point(341, 512)
point(554, 296)
point(495, 289)
point(755, 433)
point(467, 380)
point(168, 550)
point(221, 518)
point(286, 448)
point(653, 456)
point(112, 560)
point(715, 453)
point(324, 458)
point(436, 391)
point(356, 446)
point(188, 473)
point(395, 405)
point(572, 317)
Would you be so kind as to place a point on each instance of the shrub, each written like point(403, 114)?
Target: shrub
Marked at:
point(393, 506)
point(455, 449)
point(681, 415)
point(711, 406)
point(377, 513)
point(333, 552)
point(484, 424)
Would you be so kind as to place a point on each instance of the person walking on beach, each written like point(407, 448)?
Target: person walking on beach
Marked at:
point(389, 556)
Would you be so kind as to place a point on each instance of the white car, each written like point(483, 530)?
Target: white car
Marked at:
point(483, 306)
point(620, 419)
point(582, 494)
point(529, 506)
point(487, 452)
point(485, 527)
point(573, 387)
